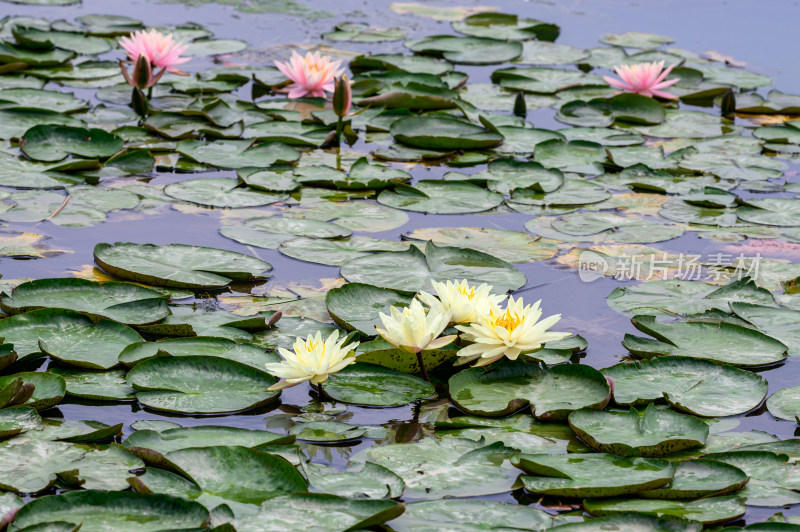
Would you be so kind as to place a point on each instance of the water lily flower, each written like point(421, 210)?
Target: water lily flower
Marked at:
point(312, 360)
point(413, 329)
point(312, 75)
point(646, 79)
point(465, 301)
point(161, 50)
point(507, 332)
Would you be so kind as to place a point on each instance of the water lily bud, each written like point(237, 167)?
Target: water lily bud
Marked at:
point(520, 107)
point(139, 102)
point(342, 97)
point(728, 103)
point(142, 72)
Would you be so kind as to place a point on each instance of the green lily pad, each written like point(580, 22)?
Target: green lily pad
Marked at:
point(412, 270)
point(602, 227)
point(354, 215)
point(362, 32)
point(785, 403)
point(15, 122)
point(601, 112)
point(441, 197)
point(304, 511)
point(440, 133)
point(368, 481)
point(773, 480)
point(238, 473)
point(382, 353)
point(700, 478)
point(126, 303)
point(200, 384)
point(30, 466)
point(327, 432)
point(237, 153)
point(178, 265)
point(644, 41)
point(721, 342)
point(675, 296)
point(356, 306)
point(108, 511)
point(782, 212)
point(197, 345)
point(699, 387)
point(372, 385)
point(505, 387)
point(17, 420)
point(68, 336)
point(271, 232)
point(708, 511)
point(591, 475)
point(511, 246)
point(544, 80)
point(655, 433)
point(52, 143)
point(506, 27)
point(220, 192)
point(634, 522)
point(31, 98)
point(41, 388)
point(153, 445)
point(467, 50)
point(96, 385)
point(398, 62)
point(469, 515)
point(451, 467)
point(337, 252)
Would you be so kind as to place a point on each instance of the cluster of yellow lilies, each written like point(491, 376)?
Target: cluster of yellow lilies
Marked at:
point(490, 330)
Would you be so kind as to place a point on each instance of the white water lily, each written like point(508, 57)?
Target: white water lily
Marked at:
point(507, 332)
point(464, 301)
point(413, 329)
point(312, 360)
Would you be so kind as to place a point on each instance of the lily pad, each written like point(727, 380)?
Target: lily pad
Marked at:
point(710, 511)
point(441, 133)
point(372, 385)
point(337, 252)
point(237, 153)
point(721, 342)
point(412, 270)
point(197, 345)
point(441, 197)
point(178, 265)
point(506, 27)
point(109, 511)
point(96, 385)
point(123, 302)
point(451, 467)
point(700, 478)
point(271, 232)
point(505, 387)
point(356, 306)
point(467, 50)
point(220, 192)
point(153, 445)
point(200, 384)
point(53, 143)
point(369, 481)
point(469, 515)
point(511, 246)
point(785, 403)
point(315, 510)
point(657, 432)
point(591, 475)
point(695, 386)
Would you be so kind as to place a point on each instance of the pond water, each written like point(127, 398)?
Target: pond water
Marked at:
point(755, 34)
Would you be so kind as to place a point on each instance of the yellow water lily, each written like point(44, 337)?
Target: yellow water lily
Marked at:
point(414, 329)
point(312, 360)
point(507, 332)
point(464, 301)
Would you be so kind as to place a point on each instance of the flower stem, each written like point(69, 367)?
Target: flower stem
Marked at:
point(320, 393)
point(422, 367)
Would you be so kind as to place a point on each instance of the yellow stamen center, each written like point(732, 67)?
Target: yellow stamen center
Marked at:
point(310, 345)
point(463, 291)
point(508, 320)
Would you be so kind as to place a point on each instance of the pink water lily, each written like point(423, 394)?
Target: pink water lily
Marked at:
point(312, 75)
point(646, 79)
point(162, 50)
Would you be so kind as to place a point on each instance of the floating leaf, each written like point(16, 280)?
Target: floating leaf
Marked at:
point(505, 387)
point(372, 385)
